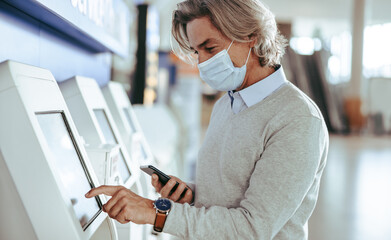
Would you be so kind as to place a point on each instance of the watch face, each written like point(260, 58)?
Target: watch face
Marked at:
point(163, 204)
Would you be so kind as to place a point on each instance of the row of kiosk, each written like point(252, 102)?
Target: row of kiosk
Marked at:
point(59, 140)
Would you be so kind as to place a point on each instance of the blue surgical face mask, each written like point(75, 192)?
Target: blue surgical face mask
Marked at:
point(220, 73)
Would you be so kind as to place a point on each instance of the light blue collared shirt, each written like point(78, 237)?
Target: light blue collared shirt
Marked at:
point(255, 93)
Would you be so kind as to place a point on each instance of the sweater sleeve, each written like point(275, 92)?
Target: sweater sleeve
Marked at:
point(280, 181)
point(191, 186)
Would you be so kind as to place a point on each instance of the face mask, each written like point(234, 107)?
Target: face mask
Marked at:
point(220, 73)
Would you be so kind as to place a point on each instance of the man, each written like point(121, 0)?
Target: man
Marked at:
point(265, 149)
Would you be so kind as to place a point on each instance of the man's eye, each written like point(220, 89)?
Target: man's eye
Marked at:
point(195, 52)
point(209, 49)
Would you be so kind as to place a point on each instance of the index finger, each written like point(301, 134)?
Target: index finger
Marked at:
point(104, 189)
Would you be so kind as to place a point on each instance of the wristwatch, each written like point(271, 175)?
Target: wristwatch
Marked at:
point(163, 207)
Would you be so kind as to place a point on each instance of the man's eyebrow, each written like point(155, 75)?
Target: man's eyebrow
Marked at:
point(203, 43)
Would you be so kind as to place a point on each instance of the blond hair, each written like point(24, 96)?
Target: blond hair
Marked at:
point(239, 20)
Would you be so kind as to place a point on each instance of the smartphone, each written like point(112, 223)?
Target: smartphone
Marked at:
point(163, 178)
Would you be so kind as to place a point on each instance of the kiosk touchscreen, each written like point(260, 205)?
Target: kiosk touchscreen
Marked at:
point(67, 160)
point(44, 170)
point(95, 124)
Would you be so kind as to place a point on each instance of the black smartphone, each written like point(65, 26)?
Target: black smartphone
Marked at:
point(163, 178)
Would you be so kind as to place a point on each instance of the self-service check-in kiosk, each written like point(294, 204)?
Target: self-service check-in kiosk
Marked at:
point(44, 169)
point(161, 130)
point(131, 132)
point(126, 120)
point(96, 125)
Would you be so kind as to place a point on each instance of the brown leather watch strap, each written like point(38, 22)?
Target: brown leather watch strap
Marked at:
point(159, 221)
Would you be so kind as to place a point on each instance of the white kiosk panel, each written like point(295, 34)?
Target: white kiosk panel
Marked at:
point(39, 147)
point(95, 123)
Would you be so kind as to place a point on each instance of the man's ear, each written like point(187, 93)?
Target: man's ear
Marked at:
point(252, 40)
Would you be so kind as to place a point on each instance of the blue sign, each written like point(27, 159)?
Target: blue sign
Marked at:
point(101, 25)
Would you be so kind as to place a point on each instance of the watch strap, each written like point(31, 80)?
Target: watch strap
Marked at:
point(159, 221)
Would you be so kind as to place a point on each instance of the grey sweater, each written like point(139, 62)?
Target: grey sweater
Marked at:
point(258, 171)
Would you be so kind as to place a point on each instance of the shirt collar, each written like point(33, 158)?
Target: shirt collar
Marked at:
point(260, 90)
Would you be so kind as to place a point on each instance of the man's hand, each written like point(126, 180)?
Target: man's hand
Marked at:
point(178, 195)
point(125, 206)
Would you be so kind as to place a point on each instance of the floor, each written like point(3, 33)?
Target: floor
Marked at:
point(355, 194)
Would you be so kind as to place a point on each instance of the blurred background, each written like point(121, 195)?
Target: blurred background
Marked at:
point(338, 54)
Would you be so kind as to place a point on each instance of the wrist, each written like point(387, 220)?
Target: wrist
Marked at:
point(150, 213)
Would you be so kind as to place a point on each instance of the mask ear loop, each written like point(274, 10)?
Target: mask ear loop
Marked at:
point(249, 52)
point(230, 45)
point(248, 56)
